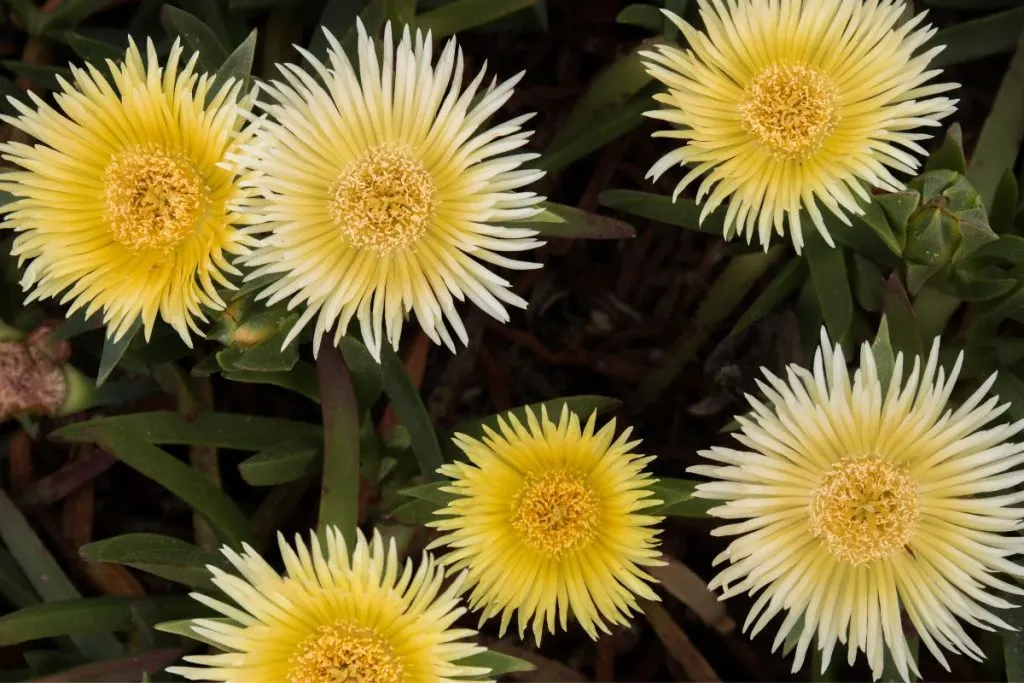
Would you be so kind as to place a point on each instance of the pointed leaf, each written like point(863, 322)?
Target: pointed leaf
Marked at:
point(499, 664)
point(223, 430)
point(978, 38)
point(367, 376)
point(196, 34)
point(90, 615)
point(93, 50)
point(678, 499)
point(431, 492)
point(461, 15)
point(1003, 212)
point(950, 156)
point(831, 285)
point(198, 492)
point(113, 351)
point(238, 65)
point(283, 462)
point(684, 213)
point(412, 414)
point(164, 556)
point(559, 220)
point(885, 357)
point(789, 279)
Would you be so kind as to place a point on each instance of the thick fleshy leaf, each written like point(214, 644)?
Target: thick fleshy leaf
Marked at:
point(678, 499)
point(92, 615)
point(283, 462)
point(163, 556)
point(198, 492)
point(559, 220)
point(462, 15)
point(831, 285)
point(789, 279)
point(412, 414)
point(223, 430)
point(197, 35)
point(683, 212)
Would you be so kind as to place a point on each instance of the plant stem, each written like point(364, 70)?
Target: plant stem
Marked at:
point(339, 489)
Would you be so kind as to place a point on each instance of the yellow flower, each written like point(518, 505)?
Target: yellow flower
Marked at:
point(787, 104)
point(547, 519)
point(383, 193)
point(124, 205)
point(333, 618)
point(857, 502)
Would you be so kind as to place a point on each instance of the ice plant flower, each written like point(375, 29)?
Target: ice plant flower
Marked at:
point(122, 206)
point(857, 501)
point(385, 191)
point(333, 617)
point(548, 520)
point(789, 104)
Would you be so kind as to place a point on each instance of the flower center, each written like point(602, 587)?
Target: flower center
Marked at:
point(555, 512)
point(383, 200)
point(790, 109)
point(865, 508)
point(344, 652)
point(152, 199)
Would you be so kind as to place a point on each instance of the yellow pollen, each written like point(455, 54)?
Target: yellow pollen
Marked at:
point(344, 652)
point(384, 199)
point(152, 199)
point(865, 508)
point(555, 512)
point(790, 109)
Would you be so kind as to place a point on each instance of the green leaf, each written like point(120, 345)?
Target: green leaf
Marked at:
point(42, 75)
point(46, 575)
point(71, 13)
point(195, 490)
point(678, 499)
point(868, 284)
point(978, 38)
point(615, 123)
point(339, 488)
point(1003, 211)
point(113, 351)
point(559, 220)
point(283, 462)
point(898, 208)
point(611, 88)
point(90, 615)
point(877, 220)
point(950, 156)
point(499, 664)
point(338, 17)
point(885, 357)
point(902, 323)
point(183, 628)
point(683, 213)
point(415, 512)
point(582, 405)
point(431, 492)
point(163, 556)
point(831, 285)
point(1001, 135)
point(223, 430)
point(644, 16)
point(14, 587)
point(238, 65)
point(367, 376)
point(197, 35)
point(93, 50)
point(789, 279)
point(976, 283)
point(301, 379)
point(725, 294)
point(411, 412)
point(461, 15)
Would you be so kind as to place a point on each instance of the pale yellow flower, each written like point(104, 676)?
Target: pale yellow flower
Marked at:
point(855, 502)
point(548, 520)
point(786, 105)
point(385, 190)
point(334, 617)
point(123, 204)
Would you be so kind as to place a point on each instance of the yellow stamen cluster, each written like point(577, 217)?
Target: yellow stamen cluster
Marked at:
point(153, 199)
point(345, 652)
point(865, 508)
point(790, 109)
point(555, 512)
point(384, 199)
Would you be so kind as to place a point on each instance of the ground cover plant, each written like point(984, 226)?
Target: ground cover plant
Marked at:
point(440, 340)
